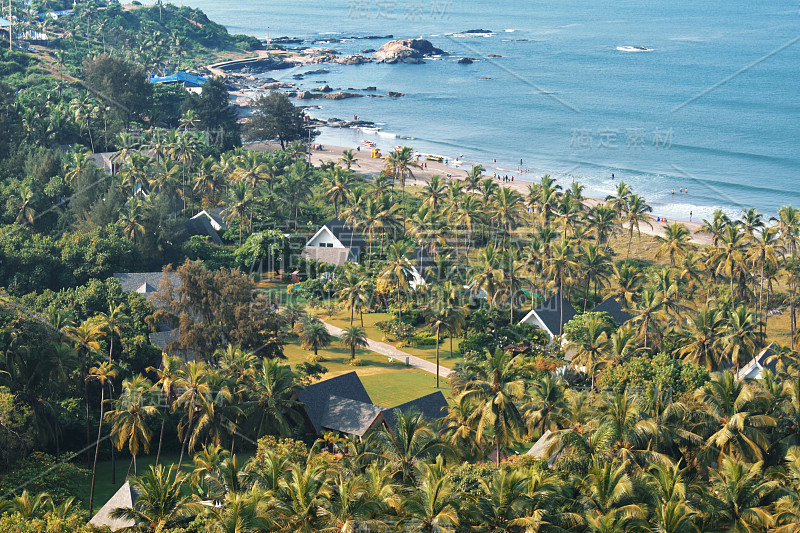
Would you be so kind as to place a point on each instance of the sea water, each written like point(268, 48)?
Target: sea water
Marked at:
point(711, 106)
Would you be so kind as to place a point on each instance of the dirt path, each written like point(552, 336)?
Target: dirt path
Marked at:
point(392, 352)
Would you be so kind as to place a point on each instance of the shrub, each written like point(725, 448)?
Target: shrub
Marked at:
point(466, 477)
point(661, 370)
point(476, 344)
point(311, 358)
point(294, 450)
point(395, 328)
point(424, 338)
point(576, 329)
point(41, 472)
point(355, 361)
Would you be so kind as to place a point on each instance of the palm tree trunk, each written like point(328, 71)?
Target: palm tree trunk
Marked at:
point(437, 356)
point(186, 438)
point(97, 449)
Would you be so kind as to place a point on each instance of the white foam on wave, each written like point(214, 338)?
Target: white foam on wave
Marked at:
point(634, 49)
point(387, 134)
point(510, 30)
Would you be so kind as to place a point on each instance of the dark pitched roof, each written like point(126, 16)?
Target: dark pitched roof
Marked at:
point(316, 397)
point(201, 226)
point(614, 310)
point(134, 281)
point(349, 416)
point(431, 406)
point(549, 312)
point(343, 232)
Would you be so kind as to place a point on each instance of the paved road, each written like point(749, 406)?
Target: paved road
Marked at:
point(390, 351)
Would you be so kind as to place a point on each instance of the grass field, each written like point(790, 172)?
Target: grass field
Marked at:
point(388, 384)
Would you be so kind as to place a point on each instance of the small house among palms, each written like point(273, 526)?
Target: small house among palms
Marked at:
point(551, 315)
point(765, 360)
point(612, 308)
point(125, 497)
point(342, 405)
point(335, 243)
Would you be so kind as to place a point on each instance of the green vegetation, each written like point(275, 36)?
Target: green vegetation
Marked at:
point(650, 429)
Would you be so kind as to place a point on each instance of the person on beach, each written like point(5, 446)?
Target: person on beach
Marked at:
point(690, 216)
point(612, 175)
point(687, 190)
point(673, 192)
point(681, 189)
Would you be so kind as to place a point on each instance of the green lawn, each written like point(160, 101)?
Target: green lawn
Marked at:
point(388, 384)
point(342, 320)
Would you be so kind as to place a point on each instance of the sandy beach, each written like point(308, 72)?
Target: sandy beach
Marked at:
point(369, 167)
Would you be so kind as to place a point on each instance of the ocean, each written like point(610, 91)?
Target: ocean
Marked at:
point(712, 104)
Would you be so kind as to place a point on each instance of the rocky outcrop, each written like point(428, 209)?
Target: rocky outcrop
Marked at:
point(407, 51)
point(466, 61)
point(355, 59)
point(324, 89)
point(339, 95)
point(494, 55)
point(392, 94)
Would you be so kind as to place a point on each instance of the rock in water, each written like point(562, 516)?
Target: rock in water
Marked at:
point(402, 50)
point(465, 61)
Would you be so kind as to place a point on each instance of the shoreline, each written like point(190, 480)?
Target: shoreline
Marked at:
point(368, 167)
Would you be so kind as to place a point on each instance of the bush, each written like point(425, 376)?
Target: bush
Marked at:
point(395, 328)
point(43, 473)
point(476, 344)
point(294, 450)
point(466, 477)
point(355, 361)
point(661, 370)
point(424, 338)
point(576, 329)
point(311, 358)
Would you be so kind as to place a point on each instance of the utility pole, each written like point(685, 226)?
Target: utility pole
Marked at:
point(10, 25)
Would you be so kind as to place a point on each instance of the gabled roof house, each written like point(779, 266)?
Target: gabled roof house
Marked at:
point(334, 243)
point(341, 404)
point(124, 497)
point(611, 307)
point(549, 317)
point(755, 368)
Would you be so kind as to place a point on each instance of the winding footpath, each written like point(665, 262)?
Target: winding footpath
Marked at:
point(390, 351)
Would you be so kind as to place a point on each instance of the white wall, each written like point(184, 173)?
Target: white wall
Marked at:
point(324, 238)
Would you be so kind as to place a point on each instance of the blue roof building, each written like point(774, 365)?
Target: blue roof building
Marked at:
point(188, 80)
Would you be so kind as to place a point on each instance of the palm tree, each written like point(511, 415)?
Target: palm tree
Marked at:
point(560, 264)
point(130, 218)
point(459, 431)
point(353, 338)
point(348, 159)
point(411, 443)
point(702, 342)
point(167, 375)
point(102, 375)
point(192, 383)
point(338, 184)
point(506, 209)
point(314, 335)
point(547, 405)
point(354, 293)
point(675, 242)
point(397, 271)
point(593, 349)
point(399, 164)
point(160, 502)
point(762, 253)
point(729, 257)
point(731, 409)
point(130, 417)
point(603, 220)
point(474, 177)
point(26, 214)
point(240, 198)
point(650, 312)
point(742, 336)
point(271, 408)
point(87, 335)
point(494, 391)
point(620, 200)
point(635, 211)
point(437, 315)
point(486, 273)
point(741, 497)
point(433, 506)
point(304, 498)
